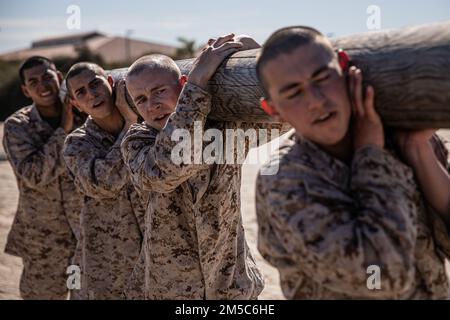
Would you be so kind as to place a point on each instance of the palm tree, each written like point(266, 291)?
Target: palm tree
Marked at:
point(186, 50)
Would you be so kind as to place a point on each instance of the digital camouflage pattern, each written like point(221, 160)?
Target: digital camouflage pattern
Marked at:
point(112, 212)
point(194, 245)
point(46, 223)
point(322, 223)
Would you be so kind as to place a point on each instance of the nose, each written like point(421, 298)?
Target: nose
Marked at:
point(41, 86)
point(154, 105)
point(316, 98)
point(92, 94)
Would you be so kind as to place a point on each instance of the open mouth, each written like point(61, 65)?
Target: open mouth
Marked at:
point(46, 94)
point(325, 117)
point(162, 117)
point(98, 104)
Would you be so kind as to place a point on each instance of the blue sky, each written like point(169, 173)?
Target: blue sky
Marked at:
point(23, 21)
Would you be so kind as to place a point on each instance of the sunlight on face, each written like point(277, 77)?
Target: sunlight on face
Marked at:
point(155, 93)
point(308, 89)
point(92, 94)
point(42, 85)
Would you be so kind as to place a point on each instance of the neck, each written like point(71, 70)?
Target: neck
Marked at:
point(52, 111)
point(112, 124)
point(343, 150)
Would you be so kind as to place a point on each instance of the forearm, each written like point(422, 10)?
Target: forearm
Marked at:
point(138, 152)
point(188, 124)
point(97, 176)
point(433, 178)
point(36, 166)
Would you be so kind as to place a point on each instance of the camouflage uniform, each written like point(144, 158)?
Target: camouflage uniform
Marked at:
point(46, 224)
point(112, 211)
point(195, 246)
point(322, 223)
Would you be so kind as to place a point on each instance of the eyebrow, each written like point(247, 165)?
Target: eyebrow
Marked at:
point(93, 80)
point(157, 87)
point(79, 89)
point(289, 86)
point(139, 97)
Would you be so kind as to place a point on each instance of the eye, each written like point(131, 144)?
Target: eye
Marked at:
point(295, 94)
point(160, 91)
point(141, 100)
point(80, 92)
point(323, 77)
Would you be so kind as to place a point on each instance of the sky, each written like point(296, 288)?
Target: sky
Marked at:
point(22, 22)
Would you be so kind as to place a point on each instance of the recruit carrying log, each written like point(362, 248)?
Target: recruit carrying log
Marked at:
point(409, 69)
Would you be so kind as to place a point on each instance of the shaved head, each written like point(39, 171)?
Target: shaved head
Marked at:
point(79, 67)
point(153, 62)
point(285, 41)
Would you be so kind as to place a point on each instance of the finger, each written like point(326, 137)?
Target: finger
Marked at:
point(211, 41)
point(66, 100)
point(228, 52)
point(229, 45)
point(369, 102)
point(351, 89)
point(221, 40)
point(121, 85)
point(358, 94)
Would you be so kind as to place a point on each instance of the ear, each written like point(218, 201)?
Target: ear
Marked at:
point(183, 80)
point(25, 91)
point(111, 81)
point(74, 103)
point(268, 107)
point(344, 60)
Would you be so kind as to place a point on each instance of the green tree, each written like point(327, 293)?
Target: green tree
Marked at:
point(186, 50)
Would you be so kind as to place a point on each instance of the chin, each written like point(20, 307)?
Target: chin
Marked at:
point(46, 103)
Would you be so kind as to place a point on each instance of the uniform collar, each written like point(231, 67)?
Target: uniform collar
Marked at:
point(36, 118)
point(330, 168)
point(94, 130)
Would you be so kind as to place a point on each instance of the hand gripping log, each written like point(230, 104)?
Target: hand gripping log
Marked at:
point(409, 69)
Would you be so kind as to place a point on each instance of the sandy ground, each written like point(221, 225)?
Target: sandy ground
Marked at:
point(10, 267)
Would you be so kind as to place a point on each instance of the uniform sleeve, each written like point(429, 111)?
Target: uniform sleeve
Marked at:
point(151, 163)
point(95, 176)
point(36, 166)
point(441, 230)
point(249, 135)
point(333, 237)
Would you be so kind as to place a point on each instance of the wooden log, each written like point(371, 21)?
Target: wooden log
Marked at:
point(409, 69)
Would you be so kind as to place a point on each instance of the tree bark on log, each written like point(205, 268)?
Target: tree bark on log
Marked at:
point(409, 69)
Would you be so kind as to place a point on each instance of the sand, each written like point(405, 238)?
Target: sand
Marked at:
point(10, 267)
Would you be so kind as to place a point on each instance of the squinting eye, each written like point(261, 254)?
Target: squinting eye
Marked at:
point(295, 94)
point(323, 78)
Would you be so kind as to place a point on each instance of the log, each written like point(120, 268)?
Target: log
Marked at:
point(409, 69)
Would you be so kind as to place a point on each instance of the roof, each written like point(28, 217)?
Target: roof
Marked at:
point(69, 39)
point(111, 49)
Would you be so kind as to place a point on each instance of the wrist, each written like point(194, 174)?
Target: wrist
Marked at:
point(414, 151)
point(359, 146)
point(198, 81)
point(128, 123)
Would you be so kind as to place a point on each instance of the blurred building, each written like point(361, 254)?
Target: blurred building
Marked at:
point(110, 48)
